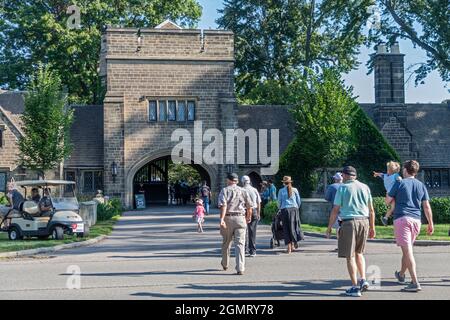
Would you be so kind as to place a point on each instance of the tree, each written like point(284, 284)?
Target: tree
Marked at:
point(322, 108)
point(276, 39)
point(46, 123)
point(33, 32)
point(426, 23)
point(369, 151)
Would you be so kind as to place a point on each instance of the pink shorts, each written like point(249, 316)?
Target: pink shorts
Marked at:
point(406, 230)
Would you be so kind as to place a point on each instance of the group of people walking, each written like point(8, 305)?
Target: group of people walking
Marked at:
point(352, 216)
point(353, 206)
point(240, 211)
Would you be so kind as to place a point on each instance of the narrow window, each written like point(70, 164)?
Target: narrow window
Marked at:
point(3, 181)
point(98, 180)
point(1, 138)
point(88, 181)
point(191, 110)
point(172, 110)
point(152, 111)
point(181, 111)
point(162, 110)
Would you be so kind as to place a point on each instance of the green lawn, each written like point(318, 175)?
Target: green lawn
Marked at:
point(101, 228)
point(440, 231)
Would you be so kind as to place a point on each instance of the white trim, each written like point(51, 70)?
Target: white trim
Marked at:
point(167, 21)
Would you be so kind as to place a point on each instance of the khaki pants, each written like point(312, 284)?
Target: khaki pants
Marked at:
point(236, 227)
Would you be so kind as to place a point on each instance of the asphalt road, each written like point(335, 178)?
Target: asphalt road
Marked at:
point(157, 254)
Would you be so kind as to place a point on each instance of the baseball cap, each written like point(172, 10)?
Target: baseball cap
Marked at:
point(351, 171)
point(232, 176)
point(337, 176)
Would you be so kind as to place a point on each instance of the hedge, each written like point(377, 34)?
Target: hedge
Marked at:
point(270, 210)
point(439, 205)
point(109, 209)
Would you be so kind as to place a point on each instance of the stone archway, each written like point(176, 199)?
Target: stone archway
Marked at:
point(203, 169)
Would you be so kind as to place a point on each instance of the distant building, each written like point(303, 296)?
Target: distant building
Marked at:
point(166, 78)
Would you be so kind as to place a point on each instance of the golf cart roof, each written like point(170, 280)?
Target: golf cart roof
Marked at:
point(43, 183)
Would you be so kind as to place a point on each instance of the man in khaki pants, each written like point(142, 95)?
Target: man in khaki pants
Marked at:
point(235, 212)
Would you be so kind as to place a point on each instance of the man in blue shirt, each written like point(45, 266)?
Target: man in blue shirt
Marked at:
point(410, 196)
point(272, 190)
point(330, 194)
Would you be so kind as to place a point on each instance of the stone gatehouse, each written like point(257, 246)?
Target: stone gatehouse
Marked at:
point(163, 79)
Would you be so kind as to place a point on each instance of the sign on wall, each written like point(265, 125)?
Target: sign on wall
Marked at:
point(140, 201)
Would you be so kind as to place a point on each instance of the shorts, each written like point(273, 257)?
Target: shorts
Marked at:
point(353, 236)
point(406, 230)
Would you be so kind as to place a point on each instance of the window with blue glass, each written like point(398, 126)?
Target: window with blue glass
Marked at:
point(181, 110)
point(162, 116)
point(162, 110)
point(172, 110)
point(191, 110)
point(152, 110)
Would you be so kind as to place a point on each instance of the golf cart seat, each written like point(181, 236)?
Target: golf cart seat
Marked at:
point(31, 208)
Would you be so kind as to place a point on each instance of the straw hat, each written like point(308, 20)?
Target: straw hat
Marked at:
point(287, 179)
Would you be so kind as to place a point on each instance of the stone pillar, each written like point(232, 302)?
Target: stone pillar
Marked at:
point(114, 145)
point(228, 111)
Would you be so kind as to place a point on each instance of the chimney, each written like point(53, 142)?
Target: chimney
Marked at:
point(389, 75)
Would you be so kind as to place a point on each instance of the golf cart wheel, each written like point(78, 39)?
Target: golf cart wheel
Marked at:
point(271, 243)
point(86, 232)
point(58, 233)
point(15, 234)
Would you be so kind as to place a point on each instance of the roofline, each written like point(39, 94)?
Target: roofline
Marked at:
point(2, 111)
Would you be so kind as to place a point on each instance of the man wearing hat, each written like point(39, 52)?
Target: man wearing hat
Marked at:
point(330, 193)
point(235, 212)
point(353, 201)
point(256, 214)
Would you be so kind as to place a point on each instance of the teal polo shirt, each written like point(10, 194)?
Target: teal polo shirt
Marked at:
point(354, 198)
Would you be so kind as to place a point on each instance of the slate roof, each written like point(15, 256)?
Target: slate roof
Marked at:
point(429, 125)
point(87, 137)
point(12, 103)
point(86, 132)
point(430, 128)
point(268, 117)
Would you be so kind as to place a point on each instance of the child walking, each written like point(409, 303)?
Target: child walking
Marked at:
point(199, 214)
point(389, 179)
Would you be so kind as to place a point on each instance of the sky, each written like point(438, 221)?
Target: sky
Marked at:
point(433, 90)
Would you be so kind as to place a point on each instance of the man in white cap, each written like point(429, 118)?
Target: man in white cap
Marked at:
point(256, 214)
point(330, 193)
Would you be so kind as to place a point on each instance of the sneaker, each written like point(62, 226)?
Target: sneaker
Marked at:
point(224, 268)
point(252, 255)
point(363, 285)
point(384, 220)
point(401, 279)
point(240, 273)
point(412, 287)
point(353, 292)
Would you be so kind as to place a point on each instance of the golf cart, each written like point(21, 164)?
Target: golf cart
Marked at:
point(63, 217)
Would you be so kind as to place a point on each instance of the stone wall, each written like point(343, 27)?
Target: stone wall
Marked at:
point(315, 211)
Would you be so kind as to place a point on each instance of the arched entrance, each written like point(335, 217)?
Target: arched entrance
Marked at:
point(153, 178)
point(255, 179)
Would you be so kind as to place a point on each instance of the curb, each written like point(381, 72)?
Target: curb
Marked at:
point(30, 252)
point(420, 243)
